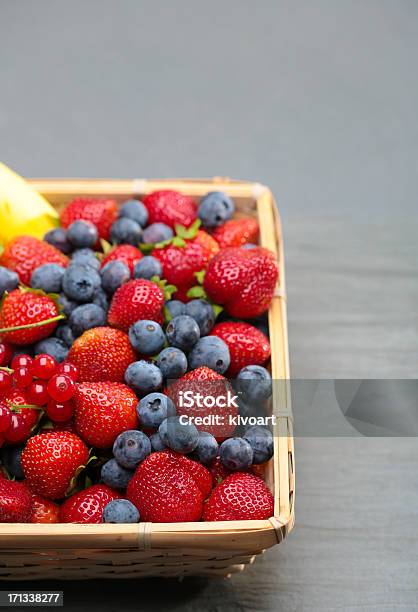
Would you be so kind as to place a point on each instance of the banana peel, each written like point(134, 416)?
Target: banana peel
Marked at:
point(22, 209)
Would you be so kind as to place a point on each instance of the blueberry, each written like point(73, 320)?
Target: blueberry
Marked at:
point(65, 333)
point(58, 238)
point(130, 448)
point(215, 208)
point(182, 438)
point(146, 337)
point(156, 443)
point(236, 454)
point(147, 267)
point(48, 277)
point(202, 312)
point(175, 308)
point(261, 441)
point(114, 475)
point(143, 377)
point(11, 459)
point(86, 257)
point(126, 231)
point(157, 232)
point(207, 447)
point(9, 280)
point(153, 409)
point(135, 210)
point(66, 304)
point(100, 299)
point(52, 346)
point(114, 274)
point(249, 246)
point(80, 282)
point(120, 511)
point(254, 382)
point(86, 317)
point(82, 234)
point(172, 362)
point(182, 332)
point(212, 352)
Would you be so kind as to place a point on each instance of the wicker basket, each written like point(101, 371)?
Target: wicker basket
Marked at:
point(71, 551)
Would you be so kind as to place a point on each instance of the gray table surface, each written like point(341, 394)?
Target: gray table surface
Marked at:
point(319, 101)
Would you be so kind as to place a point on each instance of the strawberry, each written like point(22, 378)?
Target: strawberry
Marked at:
point(103, 410)
point(164, 492)
point(135, 300)
point(25, 253)
point(44, 510)
point(87, 506)
point(25, 418)
point(170, 207)
point(102, 354)
point(237, 232)
point(15, 502)
point(51, 461)
point(247, 344)
point(101, 212)
point(240, 497)
point(243, 281)
point(126, 253)
point(218, 471)
point(200, 474)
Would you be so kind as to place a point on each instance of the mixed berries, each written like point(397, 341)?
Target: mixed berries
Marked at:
point(132, 338)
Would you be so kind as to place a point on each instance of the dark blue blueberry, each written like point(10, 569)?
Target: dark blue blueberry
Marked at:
point(182, 438)
point(86, 257)
point(236, 454)
point(254, 383)
point(120, 511)
point(130, 448)
point(153, 409)
point(86, 317)
point(114, 274)
point(212, 352)
point(58, 238)
point(143, 377)
point(146, 337)
point(249, 246)
point(126, 231)
point(147, 267)
point(172, 362)
point(80, 282)
point(261, 441)
point(65, 333)
point(114, 475)
point(215, 208)
point(48, 277)
point(135, 210)
point(156, 443)
point(52, 346)
point(82, 234)
point(66, 304)
point(9, 280)
point(202, 312)
point(207, 447)
point(11, 459)
point(100, 299)
point(175, 308)
point(182, 332)
point(157, 232)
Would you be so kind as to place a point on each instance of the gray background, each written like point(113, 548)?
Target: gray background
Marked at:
point(319, 101)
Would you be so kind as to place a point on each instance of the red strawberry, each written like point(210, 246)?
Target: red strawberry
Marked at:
point(50, 461)
point(243, 281)
point(23, 420)
point(236, 232)
point(240, 497)
point(200, 474)
point(44, 510)
point(126, 253)
point(102, 354)
point(25, 253)
point(164, 492)
point(218, 471)
point(135, 300)
point(15, 502)
point(247, 344)
point(101, 212)
point(170, 207)
point(27, 308)
point(103, 410)
point(87, 506)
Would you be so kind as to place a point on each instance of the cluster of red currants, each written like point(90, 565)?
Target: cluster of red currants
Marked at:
point(28, 385)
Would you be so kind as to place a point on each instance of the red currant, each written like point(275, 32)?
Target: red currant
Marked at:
point(68, 368)
point(18, 430)
point(37, 393)
point(5, 418)
point(6, 353)
point(59, 411)
point(61, 387)
point(6, 382)
point(44, 366)
point(22, 377)
point(21, 361)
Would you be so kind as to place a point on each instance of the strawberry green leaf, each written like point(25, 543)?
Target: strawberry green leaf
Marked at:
point(178, 242)
point(217, 309)
point(167, 315)
point(146, 248)
point(200, 276)
point(197, 292)
point(188, 233)
point(106, 246)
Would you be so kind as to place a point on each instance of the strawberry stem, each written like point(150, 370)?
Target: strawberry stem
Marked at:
point(4, 330)
point(4, 369)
